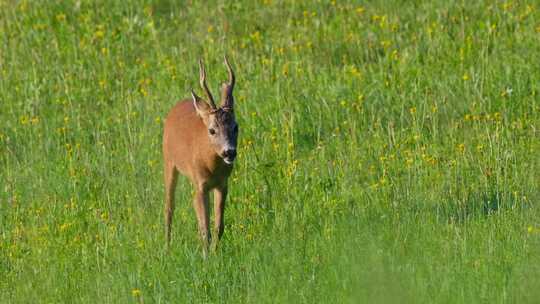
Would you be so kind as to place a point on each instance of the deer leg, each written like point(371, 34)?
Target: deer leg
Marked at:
point(200, 203)
point(170, 175)
point(220, 195)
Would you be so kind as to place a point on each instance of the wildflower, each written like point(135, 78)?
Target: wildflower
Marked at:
point(386, 43)
point(64, 226)
point(360, 10)
point(285, 69)
point(354, 71)
point(394, 55)
point(60, 17)
point(99, 34)
point(256, 36)
point(412, 110)
point(148, 11)
point(23, 6)
point(143, 91)
point(465, 77)
point(104, 215)
point(507, 92)
point(265, 61)
point(24, 120)
point(136, 292)
point(492, 27)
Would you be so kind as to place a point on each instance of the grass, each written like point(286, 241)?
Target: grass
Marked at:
point(388, 151)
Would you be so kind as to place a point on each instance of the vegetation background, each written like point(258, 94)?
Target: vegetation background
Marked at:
point(388, 153)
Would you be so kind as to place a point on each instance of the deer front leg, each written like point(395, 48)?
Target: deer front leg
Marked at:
point(220, 195)
point(200, 203)
point(170, 175)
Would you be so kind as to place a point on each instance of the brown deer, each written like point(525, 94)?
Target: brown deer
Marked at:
point(199, 141)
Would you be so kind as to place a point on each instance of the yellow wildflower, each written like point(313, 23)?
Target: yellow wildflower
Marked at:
point(99, 34)
point(60, 17)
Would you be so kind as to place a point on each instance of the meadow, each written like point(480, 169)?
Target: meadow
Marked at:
point(388, 151)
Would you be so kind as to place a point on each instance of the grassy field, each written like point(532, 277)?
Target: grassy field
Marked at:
point(388, 151)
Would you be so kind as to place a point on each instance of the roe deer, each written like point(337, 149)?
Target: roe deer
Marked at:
point(199, 141)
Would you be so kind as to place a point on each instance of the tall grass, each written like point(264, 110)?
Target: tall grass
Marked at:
point(388, 151)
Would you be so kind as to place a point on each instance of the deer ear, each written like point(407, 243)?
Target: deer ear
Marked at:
point(201, 106)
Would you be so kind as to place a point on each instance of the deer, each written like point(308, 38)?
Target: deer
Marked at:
point(200, 141)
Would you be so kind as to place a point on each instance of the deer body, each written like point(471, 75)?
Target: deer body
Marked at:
point(186, 145)
point(199, 141)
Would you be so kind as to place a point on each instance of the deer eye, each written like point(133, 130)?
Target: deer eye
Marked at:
point(212, 131)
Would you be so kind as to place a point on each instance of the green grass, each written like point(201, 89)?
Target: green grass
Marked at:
point(388, 152)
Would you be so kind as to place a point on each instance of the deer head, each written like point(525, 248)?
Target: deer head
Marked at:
point(220, 121)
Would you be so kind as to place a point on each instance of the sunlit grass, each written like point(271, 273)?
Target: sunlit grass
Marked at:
point(388, 151)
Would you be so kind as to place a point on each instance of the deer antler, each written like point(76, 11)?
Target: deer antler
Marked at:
point(202, 74)
point(227, 99)
point(231, 73)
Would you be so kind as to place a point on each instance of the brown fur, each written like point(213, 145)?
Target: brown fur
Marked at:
point(189, 149)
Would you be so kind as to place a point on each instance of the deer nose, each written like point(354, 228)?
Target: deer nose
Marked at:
point(229, 153)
